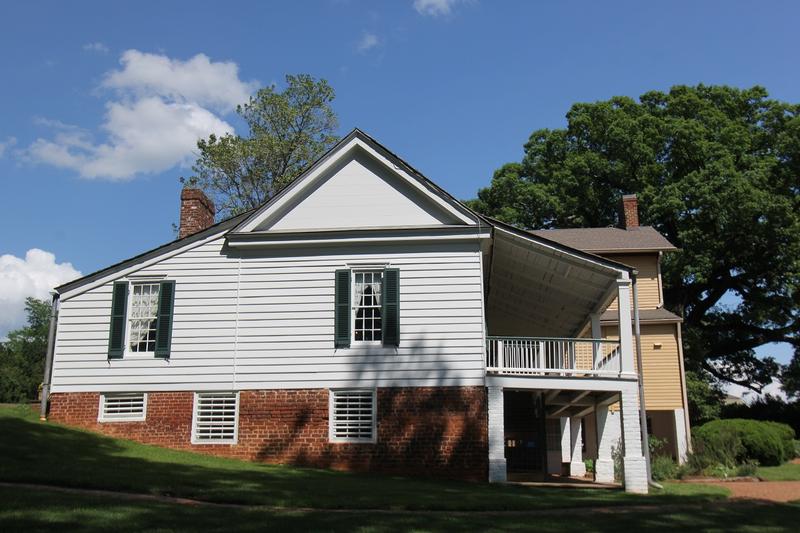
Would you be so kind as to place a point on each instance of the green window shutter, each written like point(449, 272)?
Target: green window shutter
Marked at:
point(390, 315)
point(166, 303)
point(341, 325)
point(119, 307)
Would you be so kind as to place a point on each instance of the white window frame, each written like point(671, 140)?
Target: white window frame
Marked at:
point(332, 417)
point(235, 438)
point(128, 315)
point(101, 415)
point(354, 305)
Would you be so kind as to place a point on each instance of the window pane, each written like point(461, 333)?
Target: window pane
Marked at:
point(367, 299)
point(143, 315)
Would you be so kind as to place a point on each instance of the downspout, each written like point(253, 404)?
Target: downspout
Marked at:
point(48, 361)
point(640, 364)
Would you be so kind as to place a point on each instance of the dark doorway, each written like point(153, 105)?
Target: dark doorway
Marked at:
point(524, 432)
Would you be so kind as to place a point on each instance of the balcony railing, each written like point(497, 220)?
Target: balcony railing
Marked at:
point(547, 356)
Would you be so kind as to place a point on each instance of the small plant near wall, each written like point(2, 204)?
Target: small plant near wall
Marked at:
point(589, 464)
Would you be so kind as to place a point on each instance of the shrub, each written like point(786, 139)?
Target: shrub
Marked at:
point(786, 434)
point(714, 446)
point(796, 448)
point(747, 469)
point(589, 464)
point(663, 468)
point(735, 441)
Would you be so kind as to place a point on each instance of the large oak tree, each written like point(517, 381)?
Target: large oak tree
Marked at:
point(717, 170)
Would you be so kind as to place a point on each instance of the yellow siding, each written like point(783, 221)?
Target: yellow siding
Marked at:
point(662, 371)
point(647, 279)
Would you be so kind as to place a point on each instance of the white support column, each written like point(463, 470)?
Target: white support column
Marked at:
point(597, 333)
point(633, 462)
point(576, 466)
point(681, 436)
point(608, 437)
point(497, 455)
point(625, 330)
point(566, 446)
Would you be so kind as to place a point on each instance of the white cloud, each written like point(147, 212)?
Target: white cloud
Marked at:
point(435, 8)
point(96, 46)
point(144, 136)
point(162, 106)
point(367, 42)
point(35, 275)
point(198, 80)
point(5, 145)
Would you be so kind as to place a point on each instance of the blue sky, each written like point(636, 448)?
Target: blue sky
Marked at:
point(454, 87)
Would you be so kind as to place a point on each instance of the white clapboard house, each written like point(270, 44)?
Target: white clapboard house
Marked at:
point(361, 319)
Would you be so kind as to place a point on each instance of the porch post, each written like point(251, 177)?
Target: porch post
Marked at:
point(633, 462)
point(497, 459)
point(576, 466)
point(625, 330)
point(597, 333)
point(681, 438)
point(608, 437)
point(566, 443)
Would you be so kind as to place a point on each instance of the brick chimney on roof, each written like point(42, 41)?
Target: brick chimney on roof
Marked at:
point(630, 211)
point(197, 212)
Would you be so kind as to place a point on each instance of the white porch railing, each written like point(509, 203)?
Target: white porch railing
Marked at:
point(526, 356)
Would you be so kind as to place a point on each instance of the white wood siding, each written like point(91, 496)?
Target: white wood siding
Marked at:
point(265, 321)
point(358, 192)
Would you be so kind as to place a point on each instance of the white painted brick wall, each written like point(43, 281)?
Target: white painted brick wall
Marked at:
point(497, 460)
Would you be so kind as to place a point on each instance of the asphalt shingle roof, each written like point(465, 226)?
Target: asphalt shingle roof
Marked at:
point(600, 240)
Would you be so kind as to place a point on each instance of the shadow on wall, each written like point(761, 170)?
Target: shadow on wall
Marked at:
point(437, 430)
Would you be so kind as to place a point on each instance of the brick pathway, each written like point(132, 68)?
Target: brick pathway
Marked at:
point(774, 491)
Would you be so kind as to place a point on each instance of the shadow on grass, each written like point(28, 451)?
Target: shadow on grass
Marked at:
point(36, 452)
point(25, 510)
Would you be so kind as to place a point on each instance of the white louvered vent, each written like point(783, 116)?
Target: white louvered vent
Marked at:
point(215, 419)
point(123, 407)
point(352, 416)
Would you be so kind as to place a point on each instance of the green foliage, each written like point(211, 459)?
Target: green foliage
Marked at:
point(289, 130)
point(656, 445)
point(768, 407)
point(663, 468)
point(717, 170)
point(589, 464)
point(22, 355)
point(704, 396)
point(736, 441)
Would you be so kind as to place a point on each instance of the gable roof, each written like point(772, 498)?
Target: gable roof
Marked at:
point(357, 138)
point(607, 240)
point(236, 223)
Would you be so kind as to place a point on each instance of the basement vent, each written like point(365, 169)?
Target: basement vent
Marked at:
point(352, 416)
point(123, 407)
point(215, 418)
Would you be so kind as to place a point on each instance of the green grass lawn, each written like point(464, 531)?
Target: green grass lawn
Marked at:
point(46, 453)
point(785, 472)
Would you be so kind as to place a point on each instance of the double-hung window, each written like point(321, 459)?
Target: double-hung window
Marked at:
point(367, 307)
point(141, 318)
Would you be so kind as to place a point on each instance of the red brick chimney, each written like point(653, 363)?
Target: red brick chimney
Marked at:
point(197, 212)
point(630, 211)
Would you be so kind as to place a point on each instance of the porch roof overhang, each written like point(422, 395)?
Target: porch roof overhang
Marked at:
point(538, 287)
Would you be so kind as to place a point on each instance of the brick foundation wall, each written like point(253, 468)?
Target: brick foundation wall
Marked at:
point(432, 431)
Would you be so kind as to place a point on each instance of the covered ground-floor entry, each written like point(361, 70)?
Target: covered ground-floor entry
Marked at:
point(540, 427)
